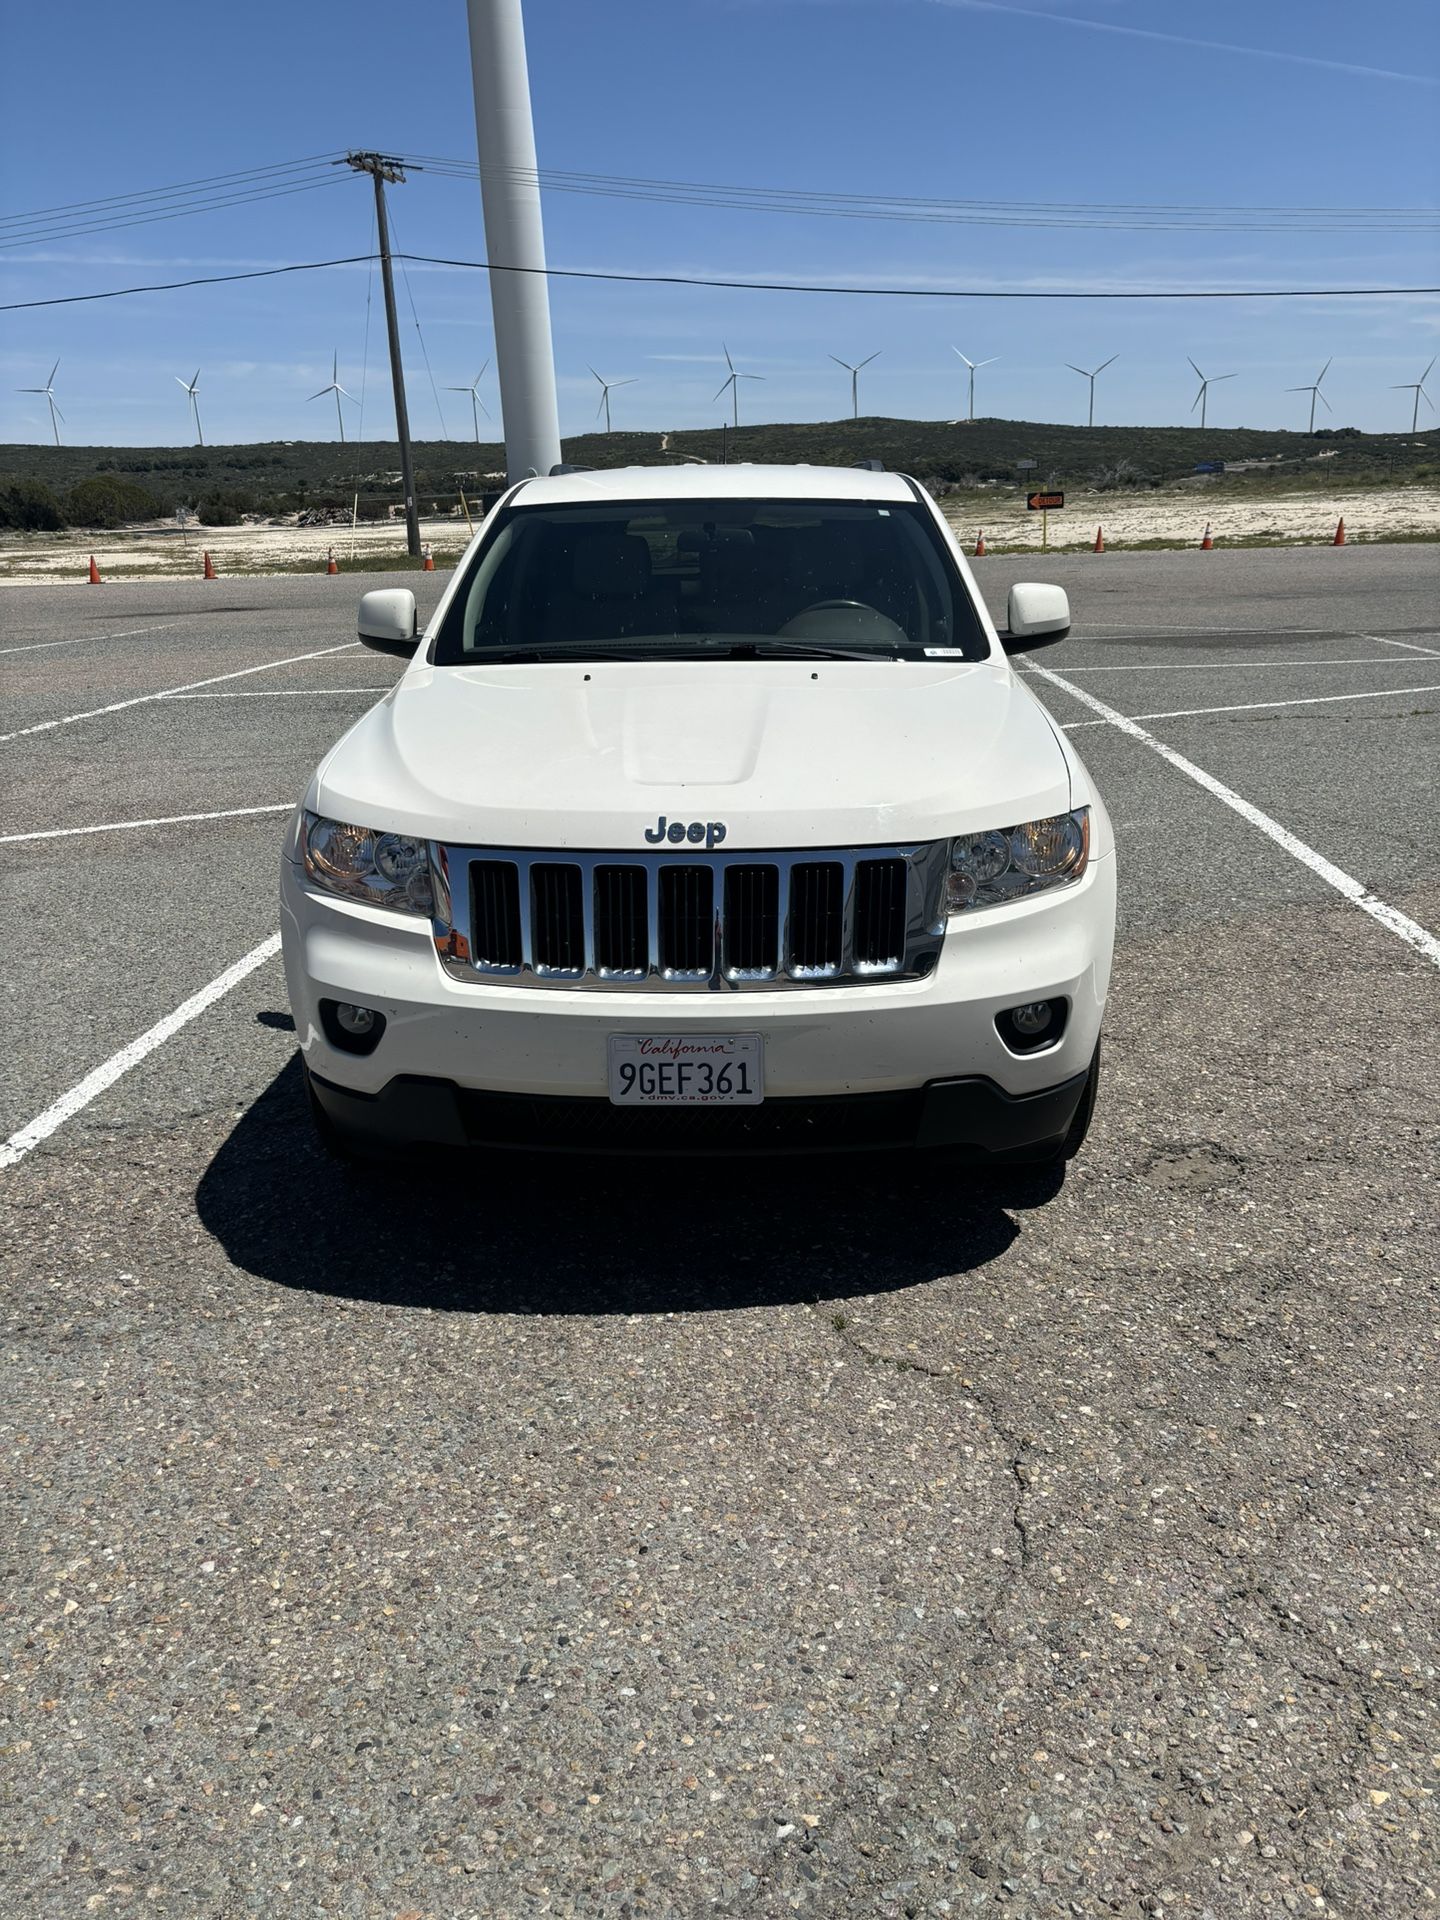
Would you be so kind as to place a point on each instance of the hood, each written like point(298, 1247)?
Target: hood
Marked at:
point(780, 753)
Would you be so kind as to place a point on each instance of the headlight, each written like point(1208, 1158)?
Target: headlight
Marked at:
point(387, 869)
point(987, 869)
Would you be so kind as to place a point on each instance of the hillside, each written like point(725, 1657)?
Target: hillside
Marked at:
point(288, 475)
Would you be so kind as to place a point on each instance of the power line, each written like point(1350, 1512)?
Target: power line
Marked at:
point(419, 335)
point(214, 191)
point(365, 351)
point(997, 213)
point(543, 174)
point(751, 286)
point(273, 192)
point(158, 193)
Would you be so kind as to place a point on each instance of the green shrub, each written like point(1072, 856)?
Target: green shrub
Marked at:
point(29, 507)
point(225, 506)
point(107, 501)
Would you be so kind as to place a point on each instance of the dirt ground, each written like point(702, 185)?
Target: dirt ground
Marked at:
point(1171, 519)
point(167, 553)
point(1179, 519)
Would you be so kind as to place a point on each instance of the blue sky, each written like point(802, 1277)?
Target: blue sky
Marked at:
point(1291, 103)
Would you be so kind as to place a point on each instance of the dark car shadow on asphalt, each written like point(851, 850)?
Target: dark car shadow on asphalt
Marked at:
point(531, 1233)
point(179, 613)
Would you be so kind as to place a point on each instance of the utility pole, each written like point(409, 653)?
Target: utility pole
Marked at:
point(382, 167)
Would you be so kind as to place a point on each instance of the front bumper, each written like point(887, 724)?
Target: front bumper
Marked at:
point(974, 1116)
point(502, 1063)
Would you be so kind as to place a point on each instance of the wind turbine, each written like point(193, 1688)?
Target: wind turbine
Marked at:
point(335, 388)
point(1091, 377)
point(1206, 381)
point(1417, 387)
point(733, 382)
point(1315, 394)
point(605, 386)
point(475, 401)
point(972, 365)
point(854, 373)
point(56, 416)
point(190, 387)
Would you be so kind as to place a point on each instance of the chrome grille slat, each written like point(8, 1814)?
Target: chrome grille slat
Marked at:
point(620, 912)
point(879, 916)
point(751, 920)
point(815, 949)
point(689, 922)
point(558, 944)
point(493, 897)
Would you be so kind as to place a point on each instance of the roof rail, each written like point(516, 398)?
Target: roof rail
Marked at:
point(869, 466)
point(563, 467)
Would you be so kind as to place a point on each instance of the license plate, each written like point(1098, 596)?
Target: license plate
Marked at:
point(686, 1070)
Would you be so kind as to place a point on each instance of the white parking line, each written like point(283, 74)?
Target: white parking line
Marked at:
point(1314, 700)
point(1345, 884)
point(276, 693)
point(95, 1083)
point(126, 633)
point(163, 820)
point(169, 693)
point(1229, 666)
point(1409, 645)
point(1104, 628)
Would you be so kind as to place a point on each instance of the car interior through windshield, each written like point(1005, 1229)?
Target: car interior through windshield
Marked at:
point(783, 575)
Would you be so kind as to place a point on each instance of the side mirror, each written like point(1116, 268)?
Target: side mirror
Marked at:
point(388, 621)
point(1036, 612)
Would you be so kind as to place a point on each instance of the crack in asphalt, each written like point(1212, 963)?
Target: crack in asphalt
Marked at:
point(1014, 1446)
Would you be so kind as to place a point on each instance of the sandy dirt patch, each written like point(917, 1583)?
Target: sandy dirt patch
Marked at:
point(156, 553)
point(1180, 519)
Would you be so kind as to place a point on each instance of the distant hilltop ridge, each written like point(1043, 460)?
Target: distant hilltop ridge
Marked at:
point(39, 484)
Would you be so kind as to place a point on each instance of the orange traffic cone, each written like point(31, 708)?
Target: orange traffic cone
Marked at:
point(980, 547)
point(1208, 542)
point(210, 573)
point(1339, 539)
point(1099, 540)
point(95, 580)
point(331, 564)
point(428, 564)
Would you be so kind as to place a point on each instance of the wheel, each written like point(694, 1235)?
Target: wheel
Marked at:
point(1085, 1112)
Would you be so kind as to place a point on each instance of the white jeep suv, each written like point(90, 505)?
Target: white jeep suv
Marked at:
point(707, 817)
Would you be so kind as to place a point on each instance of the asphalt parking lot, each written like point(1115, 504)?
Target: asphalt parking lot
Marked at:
point(671, 1542)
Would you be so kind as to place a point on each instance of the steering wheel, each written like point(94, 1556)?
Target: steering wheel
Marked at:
point(867, 624)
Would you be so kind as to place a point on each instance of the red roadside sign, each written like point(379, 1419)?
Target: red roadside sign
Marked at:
point(1044, 502)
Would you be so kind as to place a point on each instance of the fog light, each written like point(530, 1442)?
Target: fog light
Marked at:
point(349, 1028)
point(1034, 1027)
point(1031, 1020)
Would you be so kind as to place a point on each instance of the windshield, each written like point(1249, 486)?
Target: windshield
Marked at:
point(711, 578)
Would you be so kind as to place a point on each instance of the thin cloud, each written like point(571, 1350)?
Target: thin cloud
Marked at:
point(1185, 40)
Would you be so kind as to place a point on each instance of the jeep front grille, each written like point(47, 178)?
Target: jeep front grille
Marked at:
point(667, 922)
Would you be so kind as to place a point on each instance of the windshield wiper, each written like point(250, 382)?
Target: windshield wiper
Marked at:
point(766, 648)
point(679, 646)
point(536, 656)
